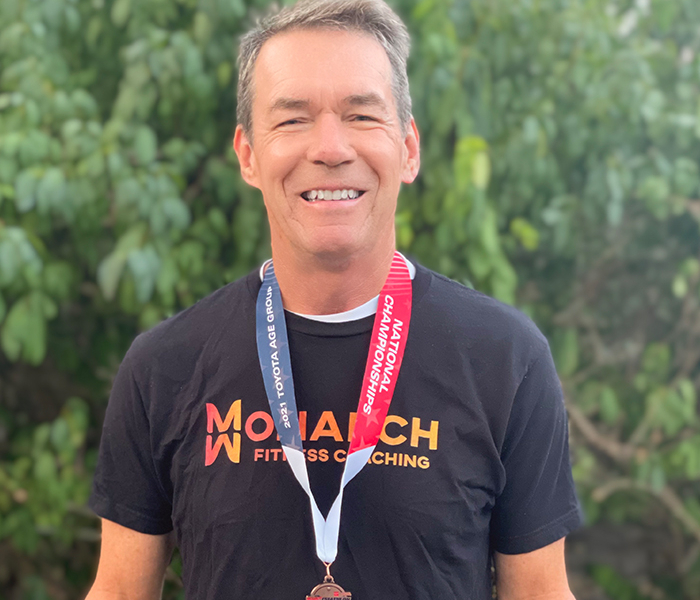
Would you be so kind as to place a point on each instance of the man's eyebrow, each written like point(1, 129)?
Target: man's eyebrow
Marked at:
point(369, 99)
point(289, 104)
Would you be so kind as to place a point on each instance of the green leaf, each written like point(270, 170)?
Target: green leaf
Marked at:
point(71, 129)
point(169, 214)
point(565, 350)
point(8, 174)
point(25, 191)
point(655, 191)
point(479, 263)
point(128, 192)
point(669, 410)
point(58, 280)
point(92, 167)
point(168, 278)
point(481, 170)
point(17, 256)
point(51, 191)
point(87, 107)
point(121, 11)
point(73, 20)
point(174, 148)
point(45, 468)
point(219, 223)
point(150, 316)
point(110, 270)
point(690, 267)
point(9, 262)
point(531, 130)
point(504, 281)
point(24, 331)
point(145, 145)
point(680, 286)
point(42, 435)
point(77, 414)
point(525, 233)
point(686, 176)
point(657, 478)
point(202, 28)
point(467, 166)
point(223, 74)
point(656, 361)
point(191, 258)
point(60, 435)
point(144, 265)
point(654, 105)
point(609, 405)
point(404, 231)
point(688, 403)
point(48, 307)
point(34, 148)
point(687, 456)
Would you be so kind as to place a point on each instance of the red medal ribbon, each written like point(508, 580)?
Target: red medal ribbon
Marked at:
point(386, 350)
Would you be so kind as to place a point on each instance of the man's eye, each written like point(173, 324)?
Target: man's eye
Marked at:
point(289, 122)
point(364, 118)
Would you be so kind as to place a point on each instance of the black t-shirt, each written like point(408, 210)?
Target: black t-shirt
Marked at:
point(473, 457)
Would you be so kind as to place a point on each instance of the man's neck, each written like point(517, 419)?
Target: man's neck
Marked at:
point(318, 286)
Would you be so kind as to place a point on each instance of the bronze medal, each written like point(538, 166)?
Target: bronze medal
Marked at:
point(328, 590)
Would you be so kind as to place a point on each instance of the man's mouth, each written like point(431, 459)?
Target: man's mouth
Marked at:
point(317, 195)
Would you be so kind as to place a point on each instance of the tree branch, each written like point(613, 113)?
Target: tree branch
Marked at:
point(619, 452)
point(666, 495)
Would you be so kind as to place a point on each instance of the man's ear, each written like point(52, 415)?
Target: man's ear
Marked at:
point(246, 157)
point(412, 163)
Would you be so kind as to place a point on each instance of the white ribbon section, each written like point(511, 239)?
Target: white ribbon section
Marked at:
point(327, 530)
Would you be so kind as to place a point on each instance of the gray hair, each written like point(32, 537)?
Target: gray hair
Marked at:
point(373, 17)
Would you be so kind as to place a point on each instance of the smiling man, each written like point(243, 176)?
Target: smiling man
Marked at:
point(342, 422)
point(324, 143)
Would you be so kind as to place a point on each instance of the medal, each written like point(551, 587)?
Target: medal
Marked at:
point(386, 350)
point(329, 589)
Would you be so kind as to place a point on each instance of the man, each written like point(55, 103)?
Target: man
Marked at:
point(471, 460)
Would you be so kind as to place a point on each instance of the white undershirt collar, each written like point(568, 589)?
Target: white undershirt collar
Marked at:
point(360, 312)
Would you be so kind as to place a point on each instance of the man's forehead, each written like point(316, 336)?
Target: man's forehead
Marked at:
point(299, 69)
point(306, 51)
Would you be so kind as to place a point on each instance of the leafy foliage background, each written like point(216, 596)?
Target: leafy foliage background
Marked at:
point(560, 143)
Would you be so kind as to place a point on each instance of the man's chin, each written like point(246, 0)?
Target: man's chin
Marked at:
point(336, 252)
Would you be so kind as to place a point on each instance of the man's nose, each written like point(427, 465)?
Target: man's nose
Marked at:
point(330, 144)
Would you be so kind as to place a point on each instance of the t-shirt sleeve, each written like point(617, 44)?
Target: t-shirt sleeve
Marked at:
point(126, 488)
point(538, 504)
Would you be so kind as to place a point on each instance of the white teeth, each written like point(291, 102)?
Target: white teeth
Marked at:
point(346, 194)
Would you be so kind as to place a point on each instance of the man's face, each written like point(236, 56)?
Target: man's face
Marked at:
point(325, 124)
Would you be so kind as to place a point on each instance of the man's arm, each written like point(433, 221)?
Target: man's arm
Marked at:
point(537, 575)
point(132, 564)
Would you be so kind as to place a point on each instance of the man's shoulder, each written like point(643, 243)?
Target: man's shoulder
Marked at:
point(187, 332)
point(467, 314)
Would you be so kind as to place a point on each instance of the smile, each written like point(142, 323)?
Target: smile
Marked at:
point(316, 195)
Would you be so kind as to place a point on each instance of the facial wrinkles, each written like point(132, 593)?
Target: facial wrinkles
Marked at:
point(274, 138)
point(327, 103)
point(283, 151)
point(284, 84)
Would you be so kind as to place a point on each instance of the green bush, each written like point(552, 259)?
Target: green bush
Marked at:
point(560, 145)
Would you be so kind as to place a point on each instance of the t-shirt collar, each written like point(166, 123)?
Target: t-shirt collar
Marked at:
point(360, 312)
